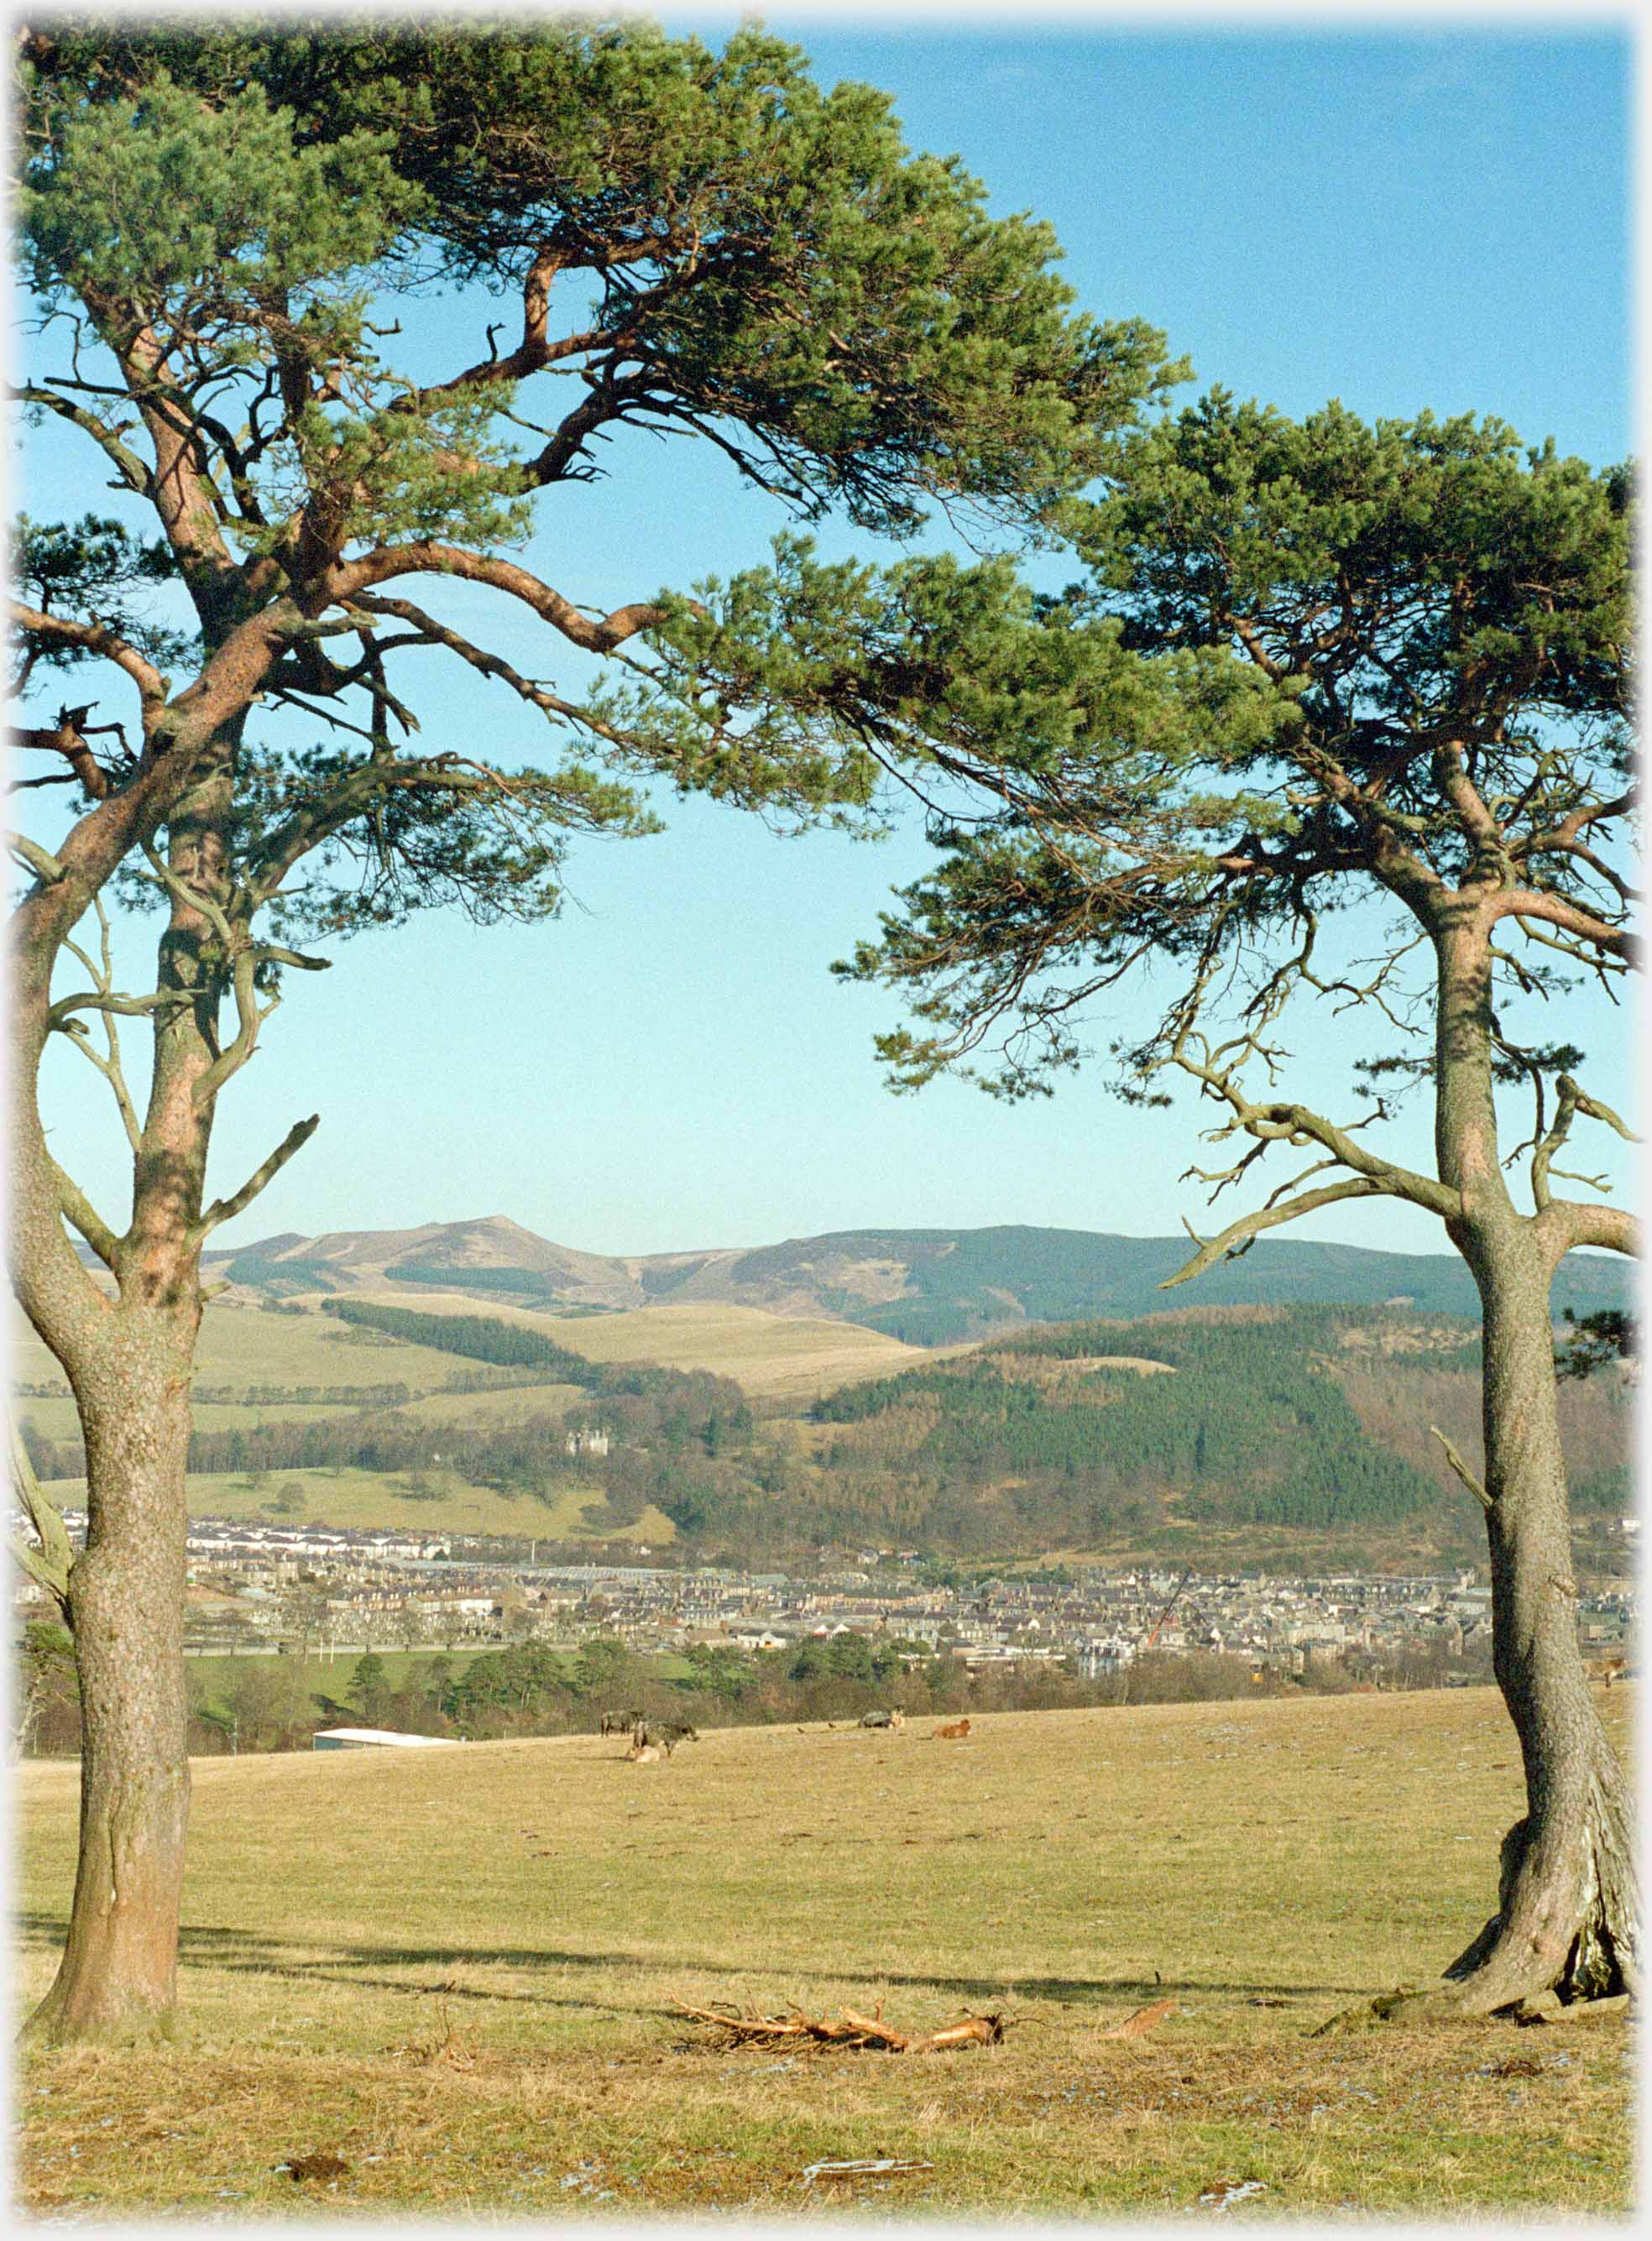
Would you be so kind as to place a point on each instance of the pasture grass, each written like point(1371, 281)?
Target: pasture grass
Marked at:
point(243, 1346)
point(215, 1677)
point(455, 1972)
point(374, 1501)
point(776, 1358)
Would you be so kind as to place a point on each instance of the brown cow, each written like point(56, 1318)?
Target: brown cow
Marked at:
point(953, 1733)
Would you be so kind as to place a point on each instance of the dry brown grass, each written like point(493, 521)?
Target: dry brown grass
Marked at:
point(458, 1974)
point(792, 1358)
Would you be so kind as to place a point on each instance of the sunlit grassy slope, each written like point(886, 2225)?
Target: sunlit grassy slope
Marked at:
point(776, 1358)
point(371, 1501)
point(782, 1361)
point(456, 1970)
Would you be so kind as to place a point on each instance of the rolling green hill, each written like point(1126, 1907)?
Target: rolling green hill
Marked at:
point(1221, 1428)
point(924, 1287)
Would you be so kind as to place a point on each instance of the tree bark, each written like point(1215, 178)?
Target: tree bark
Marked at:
point(129, 1362)
point(1569, 1916)
point(118, 1975)
point(1568, 1911)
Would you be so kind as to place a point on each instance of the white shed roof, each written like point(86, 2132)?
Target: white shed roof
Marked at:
point(359, 1736)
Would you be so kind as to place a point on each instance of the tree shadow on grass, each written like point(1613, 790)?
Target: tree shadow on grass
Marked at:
point(323, 1960)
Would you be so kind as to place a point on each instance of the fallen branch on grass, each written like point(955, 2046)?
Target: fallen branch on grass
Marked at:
point(455, 2047)
point(1143, 2020)
point(747, 2027)
point(862, 2167)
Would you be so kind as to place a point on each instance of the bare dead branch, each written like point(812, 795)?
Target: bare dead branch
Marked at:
point(34, 859)
point(52, 1560)
point(78, 1208)
point(127, 463)
point(1462, 1469)
point(191, 897)
point(96, 638)
point(490, 664)
point(225, 1210)
point(1239, 1234)
point(851, 2030)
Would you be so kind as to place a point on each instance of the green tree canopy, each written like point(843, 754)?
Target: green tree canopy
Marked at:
point(260, 263)
point(1343, 664)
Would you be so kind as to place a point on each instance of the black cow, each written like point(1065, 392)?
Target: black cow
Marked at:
point(667, 1733)
point(620, 1723)
point(883, 1719)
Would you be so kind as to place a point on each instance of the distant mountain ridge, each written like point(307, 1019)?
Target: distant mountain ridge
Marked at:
point(929, 1287)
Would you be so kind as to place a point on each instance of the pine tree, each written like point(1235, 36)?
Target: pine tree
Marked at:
point(218, 227)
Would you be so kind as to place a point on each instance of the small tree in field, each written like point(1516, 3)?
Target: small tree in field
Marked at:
point(1311, 666)
point(223, 233)
point(370, 1686)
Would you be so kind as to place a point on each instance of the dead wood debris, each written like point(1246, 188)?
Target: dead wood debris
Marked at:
point(455, 2048)
point(1144, 2019)
point(862, 2167)
point(748, 2027)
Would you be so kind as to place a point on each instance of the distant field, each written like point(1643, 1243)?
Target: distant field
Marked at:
point(778, 1359)
point(357, 1498)
point(775, 1357)
point(456, 1971)
point(214, 1678)
point(244, 1346)
point(241, 1349)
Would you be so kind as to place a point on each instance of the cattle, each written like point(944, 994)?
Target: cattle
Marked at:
point(666, 1733)
point(952, 1733)
point(620, 1723)
point(641, 1752)
point(883, 1719)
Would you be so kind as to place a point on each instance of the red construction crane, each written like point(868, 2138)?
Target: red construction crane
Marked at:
point(1169, 1607)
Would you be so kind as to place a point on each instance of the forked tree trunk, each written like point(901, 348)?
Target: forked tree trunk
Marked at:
point(1569, 1916)
point(119, 1974)
point(129, 1367)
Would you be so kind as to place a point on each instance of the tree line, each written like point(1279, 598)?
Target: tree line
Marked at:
point(270, 1703)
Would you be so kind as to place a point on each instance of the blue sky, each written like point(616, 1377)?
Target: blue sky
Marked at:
point(1399, 217)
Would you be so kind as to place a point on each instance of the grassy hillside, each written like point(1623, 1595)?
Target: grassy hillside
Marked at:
point(929, 1285)
point(246, 1347)
point(962, 1283)
point(1200, 1431)
point(779, 1359)
point(370, 1499)
point(455, 1970)
point(1314, 1420)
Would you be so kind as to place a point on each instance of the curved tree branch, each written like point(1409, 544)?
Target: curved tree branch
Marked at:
point(428, 557)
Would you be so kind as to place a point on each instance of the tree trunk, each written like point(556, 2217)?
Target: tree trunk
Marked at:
point(1568, 1914)
point(119, 1974)
point(1568, 1909)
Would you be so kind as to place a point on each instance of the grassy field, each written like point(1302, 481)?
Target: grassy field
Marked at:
point(371, 1500)
point(456, 1975)
point(242, 1346)
point(215, 1677)
point(788, 1359)
point(776, 1358)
